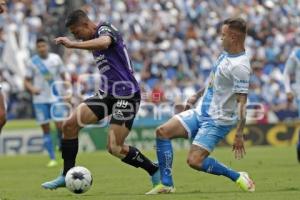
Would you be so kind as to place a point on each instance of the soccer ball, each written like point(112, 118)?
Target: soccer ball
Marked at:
point(79, 180)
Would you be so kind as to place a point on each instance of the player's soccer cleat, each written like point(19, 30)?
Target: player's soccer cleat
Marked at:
point(155, 178)
point(52, 163)
point(161, 189)
point(56, 183)
point(245, 182)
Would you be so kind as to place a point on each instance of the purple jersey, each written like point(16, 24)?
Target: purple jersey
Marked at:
point(114, 64)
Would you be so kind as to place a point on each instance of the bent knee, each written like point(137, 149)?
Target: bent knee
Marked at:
point(195, 163)
point(161, 132)
point(114, 150)
point(70, 129)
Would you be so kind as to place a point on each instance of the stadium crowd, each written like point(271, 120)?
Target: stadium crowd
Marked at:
point(172, 45)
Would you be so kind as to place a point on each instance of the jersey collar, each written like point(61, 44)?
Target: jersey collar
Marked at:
point(234, 55)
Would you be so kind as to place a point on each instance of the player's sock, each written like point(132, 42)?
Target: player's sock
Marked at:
point(69, 149)
point(137, 159)
point(48, 145)
point(59, 138)
point(212, 166)
point(164, 153)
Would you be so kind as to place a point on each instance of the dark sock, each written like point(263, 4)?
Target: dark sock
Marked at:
point(137, 159)
point(69, 151)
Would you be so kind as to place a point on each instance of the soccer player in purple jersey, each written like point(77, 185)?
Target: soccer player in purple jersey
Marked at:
point(118, 96)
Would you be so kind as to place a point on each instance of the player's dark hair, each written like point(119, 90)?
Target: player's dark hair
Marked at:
point(75, 17)
point(41, 39)
point(237, 24)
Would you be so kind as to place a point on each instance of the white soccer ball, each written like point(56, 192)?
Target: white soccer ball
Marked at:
point(79, 180)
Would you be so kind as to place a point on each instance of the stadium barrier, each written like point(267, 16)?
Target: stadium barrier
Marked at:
point(93, 138)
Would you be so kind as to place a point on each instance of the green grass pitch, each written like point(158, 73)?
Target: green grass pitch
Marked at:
point(275, 171)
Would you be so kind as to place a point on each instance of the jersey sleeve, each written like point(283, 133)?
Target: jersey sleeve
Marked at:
point(241, 78)
point(107, 30)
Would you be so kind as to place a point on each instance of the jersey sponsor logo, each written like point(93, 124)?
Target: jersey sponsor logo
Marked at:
point(118, 115)
point(99, 58)
point(104, 69)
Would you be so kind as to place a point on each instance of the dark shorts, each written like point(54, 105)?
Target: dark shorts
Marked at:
point(122, 109)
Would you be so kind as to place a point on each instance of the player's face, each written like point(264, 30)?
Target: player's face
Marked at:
point(2, 6)
point(226, 37)
point(42, 49)
point(81, 32)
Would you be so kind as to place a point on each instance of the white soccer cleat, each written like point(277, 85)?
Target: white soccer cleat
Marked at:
point(161, 189)
point(245, 182)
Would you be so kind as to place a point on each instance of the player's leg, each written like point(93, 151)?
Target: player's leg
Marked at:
point(48, 144)
point(2, 112)
point(183, 125)
point(60, 111)
point(205, 141)
point(42, 114)
point(81, 116)
point(123, 114)
point(58, 126)
point(128, 154)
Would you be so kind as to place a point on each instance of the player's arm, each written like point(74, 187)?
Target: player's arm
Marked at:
point(241, 77)
point(2, 111)
point(28, 85)
point(238, 145)
point(29, 74)
point(193, 99)
point(288, 70)
point(100, 43)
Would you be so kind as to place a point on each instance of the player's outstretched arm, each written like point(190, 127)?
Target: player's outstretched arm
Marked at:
point(238, 145)
point(193, 99)
point(100, 43)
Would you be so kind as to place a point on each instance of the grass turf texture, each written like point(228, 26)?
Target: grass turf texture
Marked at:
point(274, 170)
point(20, 125)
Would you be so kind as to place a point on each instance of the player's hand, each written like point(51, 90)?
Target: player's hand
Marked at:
point(238, 146)
point(64, 41)
point(190, 102)
point(35, 91)
point(290, 97)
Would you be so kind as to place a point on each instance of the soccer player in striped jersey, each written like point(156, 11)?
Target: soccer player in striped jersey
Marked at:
point(222, 105)
point(44, 70)
point(292, 68)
